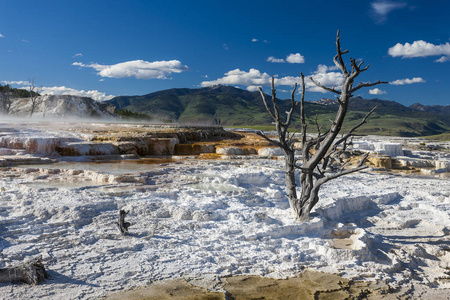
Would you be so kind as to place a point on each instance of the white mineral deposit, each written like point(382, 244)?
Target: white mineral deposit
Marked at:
point(204, 219)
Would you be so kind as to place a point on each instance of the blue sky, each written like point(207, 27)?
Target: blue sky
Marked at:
point(109, 48)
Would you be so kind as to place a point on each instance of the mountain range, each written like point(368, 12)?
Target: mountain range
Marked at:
point(233, 107)
point(230, 106)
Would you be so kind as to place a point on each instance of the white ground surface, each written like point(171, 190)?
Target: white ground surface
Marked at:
point(202, 219)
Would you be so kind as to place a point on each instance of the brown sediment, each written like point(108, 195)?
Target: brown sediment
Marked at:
point(305, 286)
point(170, 289)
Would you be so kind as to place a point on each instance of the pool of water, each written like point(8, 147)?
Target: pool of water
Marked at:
point(72, 184)
point(114, 167)
point(120, 190)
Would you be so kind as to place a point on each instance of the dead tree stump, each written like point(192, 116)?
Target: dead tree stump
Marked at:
point(31, 272)
point(123, 226)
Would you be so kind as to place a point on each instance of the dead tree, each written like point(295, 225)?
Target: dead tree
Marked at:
point(34, 95)
point(31, 272)
point(122, 225)
point(6, 100)
point(319, 152)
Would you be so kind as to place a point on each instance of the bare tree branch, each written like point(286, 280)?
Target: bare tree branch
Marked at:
point(293, 107)
point(302, 102)
point(366, 84)
point(34, 94)
point(324, 87)
point(339, 62)
point(334, 176)
point(363, 159)
point(275, 143)
point(363, 121)
point(316, 175)
point(274, 101)
point(263, 96)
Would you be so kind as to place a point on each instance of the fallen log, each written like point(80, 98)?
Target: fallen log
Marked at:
point(31, 272)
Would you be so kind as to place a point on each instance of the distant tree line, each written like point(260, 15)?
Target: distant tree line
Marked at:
point(130, 115)
point(16, 93)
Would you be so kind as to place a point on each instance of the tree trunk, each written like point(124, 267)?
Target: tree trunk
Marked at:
point(309, 196)
point(31, 272)
point(291, 186)
point(122, 225)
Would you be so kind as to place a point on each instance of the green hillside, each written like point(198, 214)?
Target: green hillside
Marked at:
point(229, 106)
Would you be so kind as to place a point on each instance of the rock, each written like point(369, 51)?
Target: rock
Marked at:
point(194, 149)
point(44, 146)
point(136, 147)
point(87, 148)
point(235, 151)
point(384, 161)
point(65, 106)
point(162, 146)
point(363, 146)
point(12, 142)
point(270, 151)
point(416, 162)
point(442, 165)
point(6, 151)
point(391, 149)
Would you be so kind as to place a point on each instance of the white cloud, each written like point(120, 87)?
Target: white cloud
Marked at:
point(1, 35)
point(81, 65)
point(266, 42)
point(292, 58)
point(252, 88)
point(251, 78)
point(377, 91)
point(139, 69)
point(254, 40)
point(421, 49)
point(407, 81)
point(296, 58)
point(254, 78)
point(225, 46)
point(16, 82)
point(326, 77)
point(62, 90)
point(273, 59)
point(381, 8)
point(443, 59)
point(289, 80)
point(25, 41)
point(77, 55)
